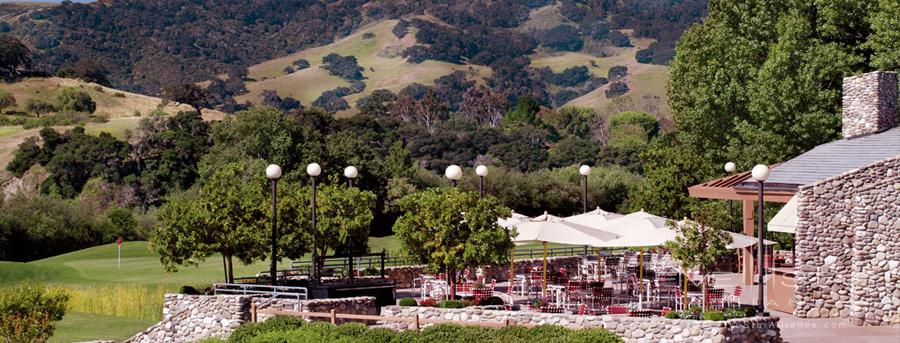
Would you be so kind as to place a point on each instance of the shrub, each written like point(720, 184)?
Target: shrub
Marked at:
point(7, 100)
point(492, 301)
point(616, 88)
point(27, 313)
point(713, 315)
point(276, 324)
point(39, 107)
point(739, 312)
point(618, 39)
point(368, 35)
point(453, 304)
point(354, 332)
point(75, 100)
point(301, 64)
point(408, 302)
point(189, 290)
point(119, 95)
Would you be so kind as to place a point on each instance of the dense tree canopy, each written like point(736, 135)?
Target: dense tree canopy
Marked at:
point(449, 229)
point(760, 82)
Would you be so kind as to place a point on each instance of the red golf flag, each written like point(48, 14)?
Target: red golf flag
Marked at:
point(119, 241)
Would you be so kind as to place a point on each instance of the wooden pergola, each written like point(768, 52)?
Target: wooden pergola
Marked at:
point(734, 187)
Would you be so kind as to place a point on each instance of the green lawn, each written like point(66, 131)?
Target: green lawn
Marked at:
point(80, 327)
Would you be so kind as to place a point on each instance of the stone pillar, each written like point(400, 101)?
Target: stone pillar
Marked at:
point(869, 103)
point(747, 260)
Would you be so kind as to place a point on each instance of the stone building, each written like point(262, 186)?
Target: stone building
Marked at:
point(847, 195)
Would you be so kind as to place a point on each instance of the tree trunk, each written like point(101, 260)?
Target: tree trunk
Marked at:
point(705, 294)
point(451, 280)
point(229, 268)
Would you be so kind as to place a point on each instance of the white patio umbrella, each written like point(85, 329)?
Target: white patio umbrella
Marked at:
point(593, 219)
point(514, 219)
point(552, 229)
point(785, 220)
point(740, 241)
point(633, 223)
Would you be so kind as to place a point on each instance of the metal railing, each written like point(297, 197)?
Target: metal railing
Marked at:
point(298, 293)
point(382, 260)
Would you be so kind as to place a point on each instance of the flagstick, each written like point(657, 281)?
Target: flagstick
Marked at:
point(119, 259)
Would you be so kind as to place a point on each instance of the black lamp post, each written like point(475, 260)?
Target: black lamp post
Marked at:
point(584, 170)
point(313, 169)
point(273, 172)
point(760, 173)
point(453, 173)
point(481, 171)
point(350, 173)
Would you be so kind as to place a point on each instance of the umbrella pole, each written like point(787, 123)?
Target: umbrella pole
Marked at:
point(685, 303)
point(598, 263)
point(512, 267)
point(641, 276)
point(544, 290)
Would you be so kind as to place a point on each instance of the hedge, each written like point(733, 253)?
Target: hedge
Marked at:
point(292, 332)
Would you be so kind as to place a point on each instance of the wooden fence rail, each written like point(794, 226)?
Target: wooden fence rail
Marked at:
point(416, 321)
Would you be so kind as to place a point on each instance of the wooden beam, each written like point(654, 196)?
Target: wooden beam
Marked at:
point(747, 259)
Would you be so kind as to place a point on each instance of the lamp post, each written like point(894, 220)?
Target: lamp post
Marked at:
point(730, 168)
point(481, 171)
point(453, 173)
point(313, 169)
point(584, 170)
point(760, 173)
point(273, 172)
point(350, 173)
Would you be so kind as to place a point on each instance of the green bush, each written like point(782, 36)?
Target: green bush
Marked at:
point(492, 301)
point(454, 304)
point(272, 325)
point(39, 107)
point(27, 312)
point(358, 333)
point(408, 302)
point(72, 99)
point(713, 315)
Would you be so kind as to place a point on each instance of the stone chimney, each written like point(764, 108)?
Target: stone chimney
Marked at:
point(870, 103)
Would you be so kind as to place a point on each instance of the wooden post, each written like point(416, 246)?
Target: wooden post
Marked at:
point(506, 322)
point(333, 317)
point(641, 274)
point(417, 322)
point(544, 290)
point(684, 306)
point(253, 313)
point(747, 260)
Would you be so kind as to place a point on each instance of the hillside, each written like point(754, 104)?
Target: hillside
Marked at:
point(646, 82)
point(120, 110)
point(378, 55)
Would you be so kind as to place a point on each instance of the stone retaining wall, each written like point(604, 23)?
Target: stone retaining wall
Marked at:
point(404, 275)
point(190, 318)
point(654, 329)
point(848, 246)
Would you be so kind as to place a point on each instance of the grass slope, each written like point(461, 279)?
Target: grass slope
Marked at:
point(82, 327)
point(644, 80)
point(379, 55)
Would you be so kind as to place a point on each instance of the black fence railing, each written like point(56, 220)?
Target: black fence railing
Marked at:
point(374, 262)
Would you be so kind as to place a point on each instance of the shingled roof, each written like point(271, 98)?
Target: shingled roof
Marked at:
point(832, 159)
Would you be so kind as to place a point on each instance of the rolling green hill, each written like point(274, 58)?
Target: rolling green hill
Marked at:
point(379, 55)
point(384, 68)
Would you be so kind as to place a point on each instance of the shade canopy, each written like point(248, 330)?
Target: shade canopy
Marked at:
point(786, 220)
point(633, 223)
point(646, 238)
point(553, 229)
point(595, 219)
point(512, 220)
point(739, 241)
